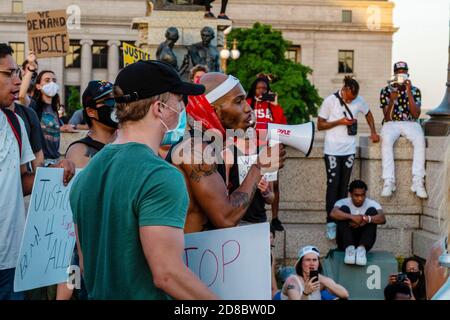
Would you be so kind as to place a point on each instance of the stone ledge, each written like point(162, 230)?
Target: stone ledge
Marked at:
point(68, 137)
point(403, 149)
point(422, 242)
point(405, 221)
point(396, 209)
point(431, 224)
point(397, 241)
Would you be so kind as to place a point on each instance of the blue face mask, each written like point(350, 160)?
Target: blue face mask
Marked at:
point(171, 137)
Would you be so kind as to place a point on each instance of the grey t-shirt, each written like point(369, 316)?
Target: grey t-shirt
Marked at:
point(77, 118)
point(368, 203)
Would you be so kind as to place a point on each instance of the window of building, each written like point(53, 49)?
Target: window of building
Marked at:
point(99, 55)
point(73, 58)
point(293, 53)
point(17, 7)
point(347, 16)
point(19, 51)
point(346, 61)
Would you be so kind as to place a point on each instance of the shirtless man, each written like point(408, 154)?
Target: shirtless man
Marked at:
point(211, 207)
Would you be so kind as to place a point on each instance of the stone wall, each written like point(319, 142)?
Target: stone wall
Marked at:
point(411, 226)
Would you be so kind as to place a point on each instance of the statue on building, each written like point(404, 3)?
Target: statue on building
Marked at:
point(165, 50)
point(204, 52)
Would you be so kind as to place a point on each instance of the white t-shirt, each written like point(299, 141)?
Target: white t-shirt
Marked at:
point(12, 207)
point(368, 203)
point(337, 141)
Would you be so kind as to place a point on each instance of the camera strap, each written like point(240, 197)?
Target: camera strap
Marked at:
point(343, 104)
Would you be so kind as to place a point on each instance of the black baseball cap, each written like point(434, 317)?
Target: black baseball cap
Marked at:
point(95, 90)
point(401, 65)
point(145, 79)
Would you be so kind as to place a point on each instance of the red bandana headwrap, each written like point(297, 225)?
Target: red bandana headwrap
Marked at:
point(201, 110)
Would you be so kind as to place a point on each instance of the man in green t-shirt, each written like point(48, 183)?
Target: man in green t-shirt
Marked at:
point(129, 205)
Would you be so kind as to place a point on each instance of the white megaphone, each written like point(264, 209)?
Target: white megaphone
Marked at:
point(300, 137)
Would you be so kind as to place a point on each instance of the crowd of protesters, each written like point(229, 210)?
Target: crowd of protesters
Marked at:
point(141, 178)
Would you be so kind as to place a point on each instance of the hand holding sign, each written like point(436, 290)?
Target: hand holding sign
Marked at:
point(47, 33)
point(49, 236)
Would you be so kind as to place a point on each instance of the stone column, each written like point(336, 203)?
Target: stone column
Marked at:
point(113, 59)
point(86, 64)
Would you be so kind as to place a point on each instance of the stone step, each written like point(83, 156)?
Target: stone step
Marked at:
point(295, 236)
point(422, 241)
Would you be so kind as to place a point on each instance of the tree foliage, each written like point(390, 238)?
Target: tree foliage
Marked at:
point(263, 50)
point(73, 101)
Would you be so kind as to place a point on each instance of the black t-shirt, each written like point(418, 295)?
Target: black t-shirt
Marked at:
point(256, 212)
point(32, 126)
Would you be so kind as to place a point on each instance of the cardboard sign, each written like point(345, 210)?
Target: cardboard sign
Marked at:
point(233, 262)
point(47, 33)
point(131, 54)
point(49, 237)
point(244, 165)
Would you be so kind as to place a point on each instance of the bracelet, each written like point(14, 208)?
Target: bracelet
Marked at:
point(370, 219)
point(265, 193)
point(306, 294)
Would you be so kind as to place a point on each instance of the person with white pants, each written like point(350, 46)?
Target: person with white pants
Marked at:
point(401, 106)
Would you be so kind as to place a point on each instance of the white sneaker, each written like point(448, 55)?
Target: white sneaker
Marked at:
point(361, 259)
point(349, 255)
point(331, 230)
point(419, 188)
point(388, 188)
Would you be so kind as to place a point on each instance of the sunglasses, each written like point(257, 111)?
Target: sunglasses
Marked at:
point(107, 102)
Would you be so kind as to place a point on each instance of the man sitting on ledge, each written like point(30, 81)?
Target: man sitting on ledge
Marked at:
point(357, 219)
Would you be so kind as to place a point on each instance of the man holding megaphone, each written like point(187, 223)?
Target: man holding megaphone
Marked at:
point(337, 115)
point(214, 203)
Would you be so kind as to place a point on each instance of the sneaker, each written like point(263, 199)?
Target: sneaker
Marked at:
point(223, 16)
point(388, 188)
point(419, 188)
point(349, 255)
point(331, 230)
point(276, 224)
point(361, 259)
point(209, 15)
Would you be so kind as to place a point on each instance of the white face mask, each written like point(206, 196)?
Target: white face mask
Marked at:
point(50, 89)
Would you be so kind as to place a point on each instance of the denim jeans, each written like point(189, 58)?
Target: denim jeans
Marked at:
point(7, 286)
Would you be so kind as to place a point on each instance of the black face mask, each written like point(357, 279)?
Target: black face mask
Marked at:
point(413, 276)
point(104, 116)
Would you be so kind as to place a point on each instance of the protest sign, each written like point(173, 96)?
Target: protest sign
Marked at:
point(47, 33)
point(233, 262)
point(131, 54)
point(49, 237)
point(246, 162)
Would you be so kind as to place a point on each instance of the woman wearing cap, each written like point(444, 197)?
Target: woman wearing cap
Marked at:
point(300, 286)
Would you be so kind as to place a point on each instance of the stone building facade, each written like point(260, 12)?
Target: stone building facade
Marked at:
point(333, 37)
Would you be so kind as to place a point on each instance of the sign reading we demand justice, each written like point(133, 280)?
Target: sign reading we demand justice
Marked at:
point(47, 33)
point(49, 237)
point(233, 262)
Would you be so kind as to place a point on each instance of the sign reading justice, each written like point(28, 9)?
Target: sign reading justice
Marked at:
point(47, 33)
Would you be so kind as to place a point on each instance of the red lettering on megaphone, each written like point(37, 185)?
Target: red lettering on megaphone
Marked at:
point(284, 132)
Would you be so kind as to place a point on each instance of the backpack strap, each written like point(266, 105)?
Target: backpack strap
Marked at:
point(88, 141)
point(343, 103)
point(14, 123)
